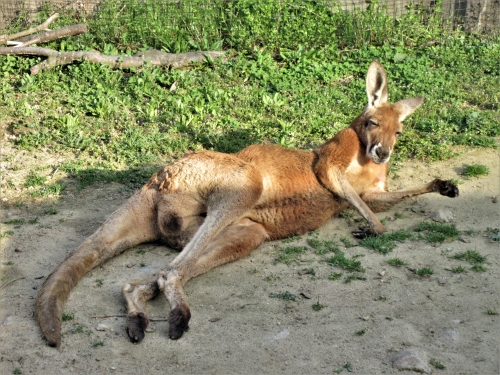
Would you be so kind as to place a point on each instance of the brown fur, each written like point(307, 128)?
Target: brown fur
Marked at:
point(218, 207)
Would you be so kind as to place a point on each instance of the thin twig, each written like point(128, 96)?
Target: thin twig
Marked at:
point(124, 316)
point(11, 281)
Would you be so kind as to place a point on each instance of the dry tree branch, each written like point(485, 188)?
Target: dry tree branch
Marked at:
point(42, 27)
point(51, 35)
point(11, 281)
point(153, 57)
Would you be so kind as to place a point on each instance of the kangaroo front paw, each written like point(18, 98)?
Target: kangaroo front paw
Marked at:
point(363, 232)
point(448, 189)
point(178, 319)
point(136, 326)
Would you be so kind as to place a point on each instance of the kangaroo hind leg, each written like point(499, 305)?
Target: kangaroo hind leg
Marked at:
point(232, 243)
point(132, 224)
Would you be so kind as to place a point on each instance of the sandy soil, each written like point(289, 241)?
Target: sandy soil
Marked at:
point(236, 328)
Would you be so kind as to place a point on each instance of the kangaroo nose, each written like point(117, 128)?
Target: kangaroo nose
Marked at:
point(382, 153)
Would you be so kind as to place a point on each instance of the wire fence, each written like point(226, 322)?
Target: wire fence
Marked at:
point(478, 16)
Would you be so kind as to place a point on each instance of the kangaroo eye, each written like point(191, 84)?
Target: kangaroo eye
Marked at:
point(398, 133)
point(371, 123)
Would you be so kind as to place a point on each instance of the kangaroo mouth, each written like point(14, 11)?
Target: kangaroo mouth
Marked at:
point(379, 154)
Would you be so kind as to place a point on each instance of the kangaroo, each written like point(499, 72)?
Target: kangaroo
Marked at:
point(216, 208)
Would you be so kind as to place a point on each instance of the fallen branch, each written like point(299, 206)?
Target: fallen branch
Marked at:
point(50, 35)
point(124, 316)
point(42, 27)
point(153, 57)
point(11, 281)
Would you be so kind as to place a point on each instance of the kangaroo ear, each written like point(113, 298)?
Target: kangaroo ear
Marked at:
point(376, 84)
point(406, 107)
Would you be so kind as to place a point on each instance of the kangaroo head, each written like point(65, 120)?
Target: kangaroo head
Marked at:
point(380, 124)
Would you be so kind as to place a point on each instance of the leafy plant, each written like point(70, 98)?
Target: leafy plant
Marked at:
point(476, 170)
point(286, 296)
point(436, 232)
point(396, 262)
point(424, 271)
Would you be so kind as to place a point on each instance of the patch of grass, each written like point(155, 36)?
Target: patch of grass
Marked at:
point(476, 170)
point(34, 179)
point(67, 316)
point(318, 306)
point(54, 189)
point(385, 242)
point(290, 254)
point(308, 271)
point(99, 282)
point(436, 232)
point(322, 246)
point(352, 277)
point(396, 262)
point(347, 242)
point(424, 271)
point(33, 221)
point(77, 329)
point(360, 333)
point(437, 364)
point(335, 276)
point(286, 296)
point(50, 211)
point(478, 267)
point(6, 234)
point(14, 222)
point(491, 312)
point(471, 256)
point(350, 265)
point(97, 344)
point(458, 269)
point(17, 371)
point(493, 234)
point(291, 239)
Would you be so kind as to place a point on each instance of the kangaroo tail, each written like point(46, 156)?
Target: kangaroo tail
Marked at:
point(132, 224)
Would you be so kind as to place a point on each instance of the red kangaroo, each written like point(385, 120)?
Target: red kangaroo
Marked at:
point(216, 208)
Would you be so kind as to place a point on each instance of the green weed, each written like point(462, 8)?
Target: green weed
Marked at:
point(437, 364)
point(396, 262)
point(322, 246)
point(424, 271)
point(97, 344)
point(384, 243)
point(361, 333)
point(318, 306)
point(458, 269)
point(352, 277)
point(478, 267)
point(290, 254)
point(286, 296)
point(476, 170)
point(34, 180)
point(50, 211)
point(67, 317)
point(99, 282)
point(347, 242)
point(17, 222)
point(436, 232)
point(493, 234)
point(335, 276)
point(491, 312)
point(471, 256)
point(350, 265)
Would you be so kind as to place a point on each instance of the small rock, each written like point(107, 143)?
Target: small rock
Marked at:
point(412, 359)
point(150, 329)
point(443, 216)
point(382, 273)
point(366, 318)
point(101, 327)
point(442, 280)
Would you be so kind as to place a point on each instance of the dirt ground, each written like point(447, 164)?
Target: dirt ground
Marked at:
point(236, 327)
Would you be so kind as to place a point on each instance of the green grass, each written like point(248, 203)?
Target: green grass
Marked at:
point(435, 363)
point(352, 277)
point(286, 296)
point(476, 170)
point(361, 333)
point(290, 254)
point(341, 261)
point(322, 246)
point(385, 242)
point(34, 179)
point(318, 306)
point(458, 269)
point(424, 271)
point(491, 312)
point(67, 317)
point(471, 256)
point(396, 262)
point(97, 344)
point(436, 232)
point(17, 222)
point(335, 276)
